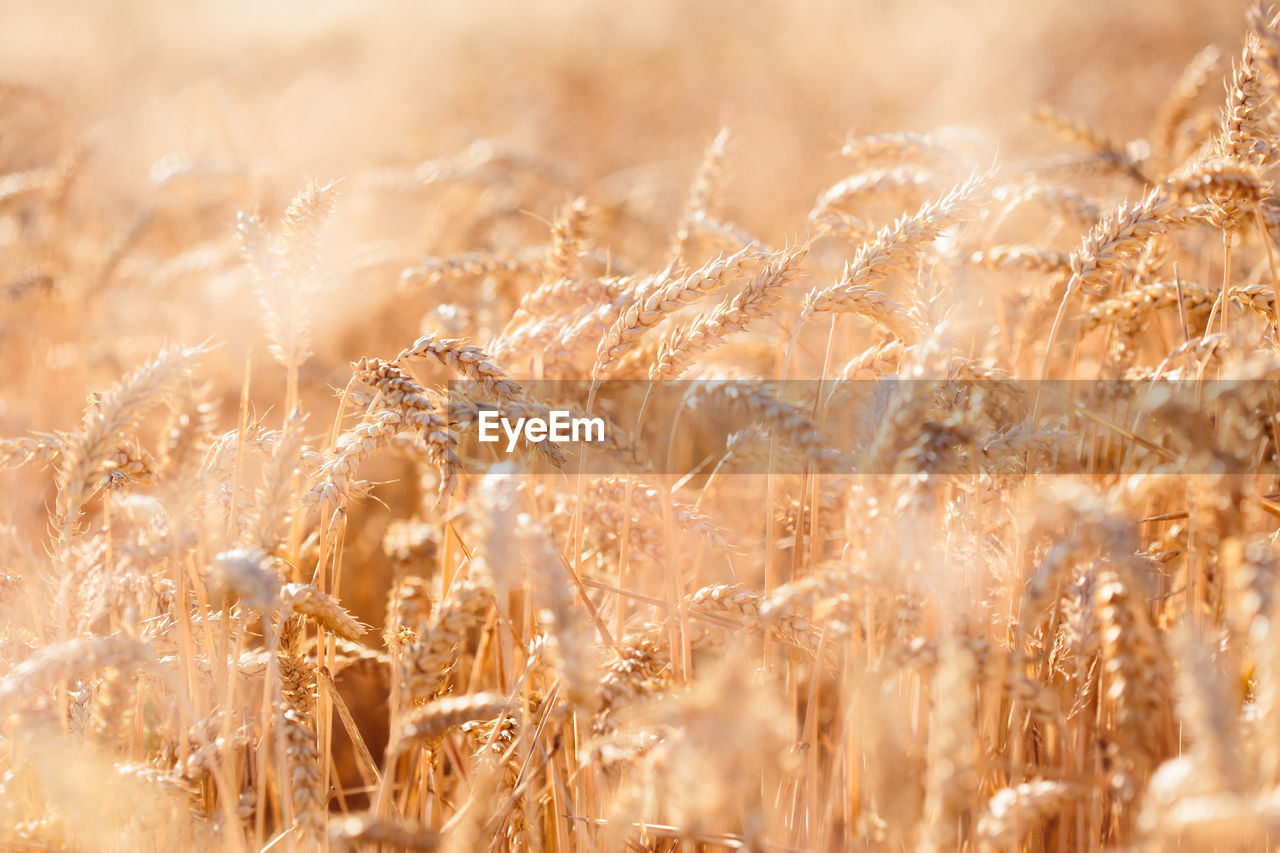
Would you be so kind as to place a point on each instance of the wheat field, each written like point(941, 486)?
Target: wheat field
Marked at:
point(933, 346)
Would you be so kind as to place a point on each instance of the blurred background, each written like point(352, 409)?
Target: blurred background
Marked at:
point(328, 89)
